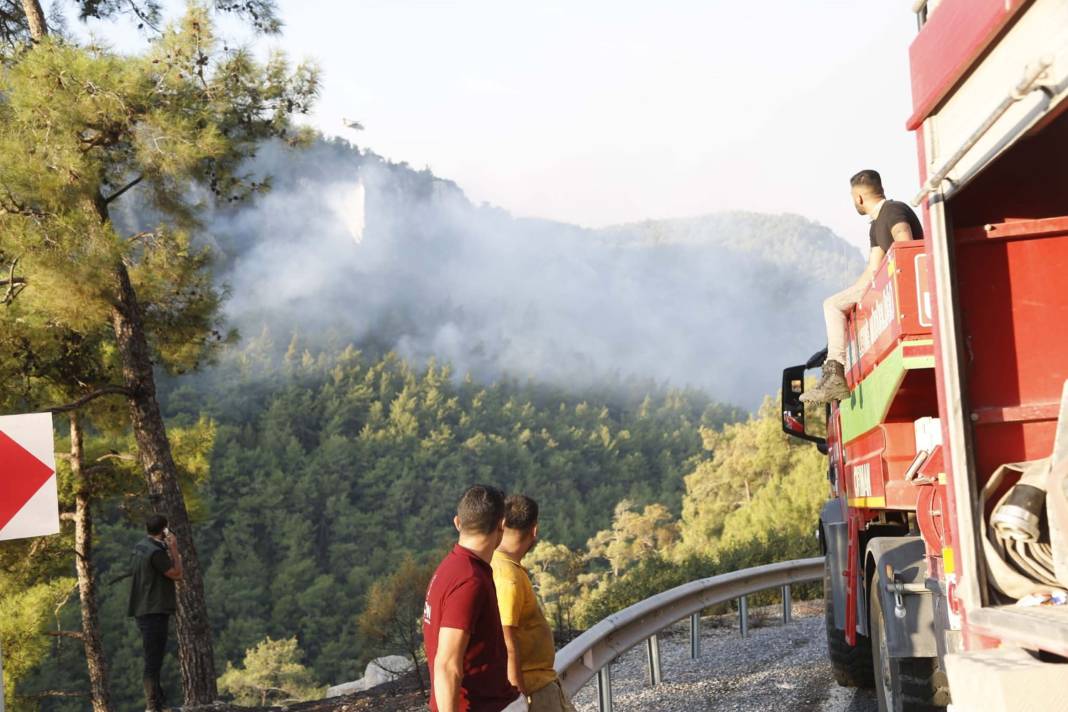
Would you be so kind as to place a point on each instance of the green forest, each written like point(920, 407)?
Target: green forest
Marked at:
point(308, 476)
point(312, 475)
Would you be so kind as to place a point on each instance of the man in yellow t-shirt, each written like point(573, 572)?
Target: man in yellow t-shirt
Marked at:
point(527, 634)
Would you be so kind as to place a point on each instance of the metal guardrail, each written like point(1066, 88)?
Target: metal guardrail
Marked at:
point(593, 652)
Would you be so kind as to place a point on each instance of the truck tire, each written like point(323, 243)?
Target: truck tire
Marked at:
point(903, 684)
point(851, 665)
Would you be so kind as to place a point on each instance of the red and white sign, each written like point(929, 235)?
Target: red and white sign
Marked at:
point(29, 503)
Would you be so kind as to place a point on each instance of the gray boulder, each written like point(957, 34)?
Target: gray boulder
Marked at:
point(378, 672)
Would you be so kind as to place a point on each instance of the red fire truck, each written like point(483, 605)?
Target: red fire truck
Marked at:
point(947, 532)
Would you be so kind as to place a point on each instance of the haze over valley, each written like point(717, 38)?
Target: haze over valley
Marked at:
point(351, 247)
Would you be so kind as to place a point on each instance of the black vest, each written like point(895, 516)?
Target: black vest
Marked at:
point(151, 591)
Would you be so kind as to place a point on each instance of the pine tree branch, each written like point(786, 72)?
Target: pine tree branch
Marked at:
point(14, 284)
point(54, 693)
point(104, 391)
point(72, 634)
point(118, 193)
point(101, 463)
point(12, 206)
point(143, 16)
point(113, 455)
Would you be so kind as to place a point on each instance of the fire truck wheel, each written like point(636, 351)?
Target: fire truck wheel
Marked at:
point(851, 665)
point(903, 684)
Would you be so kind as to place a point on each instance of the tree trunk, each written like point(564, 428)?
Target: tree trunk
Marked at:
point(35, 18)
point(414, 652)
point(195, 655)
point(83, 550)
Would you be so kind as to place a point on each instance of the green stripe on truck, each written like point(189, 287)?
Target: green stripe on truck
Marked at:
point(871, 399)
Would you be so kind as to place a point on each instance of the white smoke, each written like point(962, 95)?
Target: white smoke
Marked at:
point(384, 256)
point(350, 206)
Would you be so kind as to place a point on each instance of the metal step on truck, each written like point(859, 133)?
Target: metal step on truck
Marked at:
point(946, 537)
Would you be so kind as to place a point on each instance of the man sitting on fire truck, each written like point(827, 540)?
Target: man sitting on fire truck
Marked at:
point(891, 220)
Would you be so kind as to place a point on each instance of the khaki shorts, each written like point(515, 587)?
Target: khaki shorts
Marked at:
point(550, 699)
point(520, 705)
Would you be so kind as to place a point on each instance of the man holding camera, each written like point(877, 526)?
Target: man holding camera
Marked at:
point(155, 565)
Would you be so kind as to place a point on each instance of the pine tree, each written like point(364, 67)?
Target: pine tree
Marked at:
point(745, 456)
point(24, 615)
point(393, 615)
point(80, 129)
point(22, 20)
point(272, 672)
point(95, 660)
point(634, 536)
point(49, 363)
point(557, 574)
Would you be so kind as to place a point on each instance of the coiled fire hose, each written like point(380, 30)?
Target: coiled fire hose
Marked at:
point(1019, 556)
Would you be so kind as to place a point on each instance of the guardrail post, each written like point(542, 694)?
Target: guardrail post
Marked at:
point(787, 605)
point(695, 636)
point(604, 688)
point(652, 656)
point(579, 662)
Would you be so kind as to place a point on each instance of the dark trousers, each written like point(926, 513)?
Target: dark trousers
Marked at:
point(154, 639)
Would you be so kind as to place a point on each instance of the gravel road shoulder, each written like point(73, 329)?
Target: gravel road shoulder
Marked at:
point(776, 668)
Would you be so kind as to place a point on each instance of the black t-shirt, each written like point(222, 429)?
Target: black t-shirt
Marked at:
point(892, 213)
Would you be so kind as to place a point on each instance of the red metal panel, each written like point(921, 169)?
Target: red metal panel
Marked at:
point(1010, 442)
point(956, 34)
point(836, 453)
point(858, 519)
point(1012, 202)
point(898, 306)
point(884, 454)
point(1015, 229)
point(1016, 414)
point(1014, 302)
point(865, 451)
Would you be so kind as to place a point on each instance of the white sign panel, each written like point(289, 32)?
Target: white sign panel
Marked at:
point(29, 503)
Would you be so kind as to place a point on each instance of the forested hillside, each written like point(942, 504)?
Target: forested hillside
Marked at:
point(312, 467)
point(328, 466)
point(339, 357)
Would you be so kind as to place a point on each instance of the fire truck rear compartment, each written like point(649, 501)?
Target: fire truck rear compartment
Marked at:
point(1009, 229)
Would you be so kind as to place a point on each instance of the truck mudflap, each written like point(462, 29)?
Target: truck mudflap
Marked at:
point(910, 609)
point(834, 538)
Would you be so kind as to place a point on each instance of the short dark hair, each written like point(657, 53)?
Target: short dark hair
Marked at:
point(868, 179)
point(155, 524)
point(520, 513)
point(481, 509)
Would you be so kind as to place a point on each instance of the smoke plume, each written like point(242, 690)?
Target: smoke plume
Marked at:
point(392, 258)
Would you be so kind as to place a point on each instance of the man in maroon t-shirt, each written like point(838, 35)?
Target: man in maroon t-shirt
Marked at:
point(461, 624)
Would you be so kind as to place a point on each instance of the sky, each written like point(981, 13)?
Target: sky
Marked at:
point(599, 112)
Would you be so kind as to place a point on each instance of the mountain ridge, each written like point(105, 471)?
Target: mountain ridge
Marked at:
point(718, 301)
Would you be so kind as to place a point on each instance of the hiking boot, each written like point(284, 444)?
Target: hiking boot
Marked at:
point(832, 385)
point(152, 700)
point(155, 699)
